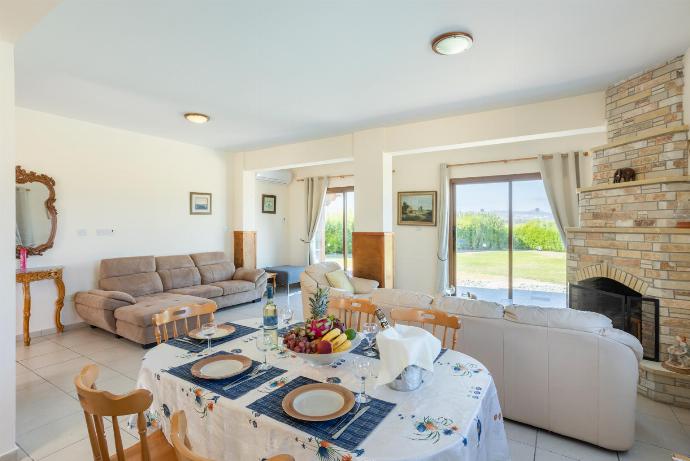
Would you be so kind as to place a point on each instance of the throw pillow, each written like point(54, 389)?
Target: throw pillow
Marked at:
point(339, 279)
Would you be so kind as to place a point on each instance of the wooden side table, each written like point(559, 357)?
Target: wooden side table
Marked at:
point(271, 276)
point(36, 274)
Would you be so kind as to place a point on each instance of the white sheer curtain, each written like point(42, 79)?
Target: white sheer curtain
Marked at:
point(442, 284)
point(562, 174)
point(315, 193)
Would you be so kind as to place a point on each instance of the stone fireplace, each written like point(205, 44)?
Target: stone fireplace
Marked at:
point(637, 233)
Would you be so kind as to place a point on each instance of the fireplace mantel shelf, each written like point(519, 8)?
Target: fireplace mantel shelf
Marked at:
point(631, 230)
point(641, 136)
point(640, 182)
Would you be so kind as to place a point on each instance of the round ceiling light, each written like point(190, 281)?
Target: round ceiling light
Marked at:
point(196, 117)
point(452, 43)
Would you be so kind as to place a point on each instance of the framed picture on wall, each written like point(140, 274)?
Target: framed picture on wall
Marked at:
point(417, 208)
point(200, 203)
point(268, 203)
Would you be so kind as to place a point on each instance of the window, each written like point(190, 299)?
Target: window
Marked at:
point(334, 239)
point(507, 246)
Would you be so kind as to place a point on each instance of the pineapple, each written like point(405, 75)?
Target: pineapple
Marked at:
point(319, 303)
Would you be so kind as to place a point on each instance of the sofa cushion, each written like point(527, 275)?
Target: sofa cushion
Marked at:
point(142, 312)
point(202, 291)
point(396, 297)
point(234, 286)
point(213, 266)
point(338, 279)
point(250, 275)
point(118, 295)
point(555, 317)
point(93, 300)
point(136, 284)
point(177, 271)
point(116, 267)
point(468, 307)
point(318, 272)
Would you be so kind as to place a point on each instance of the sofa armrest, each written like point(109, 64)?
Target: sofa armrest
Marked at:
point(102, 299)
point(250, 275)
point(363, 286)
point(626, 339)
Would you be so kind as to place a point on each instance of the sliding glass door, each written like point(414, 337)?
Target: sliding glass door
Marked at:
point(335, 230)
point(507, 246)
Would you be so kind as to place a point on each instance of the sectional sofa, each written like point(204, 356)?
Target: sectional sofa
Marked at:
point(132, 289)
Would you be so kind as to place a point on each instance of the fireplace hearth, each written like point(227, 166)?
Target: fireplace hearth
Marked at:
point(628, 310)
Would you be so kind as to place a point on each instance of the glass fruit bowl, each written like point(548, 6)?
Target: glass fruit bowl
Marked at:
point(327, 359)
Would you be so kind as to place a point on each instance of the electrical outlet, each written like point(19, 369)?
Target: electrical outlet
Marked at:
point(104, 232)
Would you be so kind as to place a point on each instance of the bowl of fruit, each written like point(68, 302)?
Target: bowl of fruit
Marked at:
point(321, 341)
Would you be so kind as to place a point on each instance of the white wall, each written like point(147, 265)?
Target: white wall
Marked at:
point(7, 219)
point(272, 249)
point(105, 178)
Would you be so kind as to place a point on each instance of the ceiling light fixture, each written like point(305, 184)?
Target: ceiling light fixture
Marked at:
point(196, 117)
point(452, 43)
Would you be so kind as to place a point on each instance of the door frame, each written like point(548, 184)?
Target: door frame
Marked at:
point(509, 178)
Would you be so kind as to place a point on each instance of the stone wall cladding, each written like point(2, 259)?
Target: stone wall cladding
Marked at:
point(649, 99)
point(660, 259)
point(662, 386)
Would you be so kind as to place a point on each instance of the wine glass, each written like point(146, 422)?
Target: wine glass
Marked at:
point(370, 330)
point(207, 331)
point(264, 343)
point(361, 368)
point(286, 315)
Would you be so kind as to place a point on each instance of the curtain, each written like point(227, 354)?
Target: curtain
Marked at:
point(315, 189)
point(561, 175)
point(442, 283)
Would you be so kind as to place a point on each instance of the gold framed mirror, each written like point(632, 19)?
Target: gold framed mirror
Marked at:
point(36, 212)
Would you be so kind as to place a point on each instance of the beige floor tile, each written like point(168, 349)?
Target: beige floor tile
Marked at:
point(127, 367)
point(36, 349)
point(81, 450)
point(520, 451)
point(51, 358)
point(54, 436)
point(29, 380)
point(21, 369)
point(118, 384)
point(662, 433)
point(544, 455)
point(573, 448)
point(22, 456)
point(683, 415)
point(35, 409)
point(521, 432)
point(657, 409)
point(116, 352)
point(644, 452)
point(62, 375)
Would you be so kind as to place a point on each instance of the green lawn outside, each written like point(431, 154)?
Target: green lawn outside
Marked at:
point(542, 266)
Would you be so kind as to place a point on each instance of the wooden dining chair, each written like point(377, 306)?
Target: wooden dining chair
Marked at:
point(349, 309)
point(181, 314)
point(99, 404)
point(425, 317)
point(183, 449)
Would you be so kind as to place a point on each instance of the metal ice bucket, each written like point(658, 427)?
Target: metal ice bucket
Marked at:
point(409, 380)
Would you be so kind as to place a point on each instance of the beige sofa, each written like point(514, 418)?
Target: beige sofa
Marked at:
point(314, 276)
point(131, 290)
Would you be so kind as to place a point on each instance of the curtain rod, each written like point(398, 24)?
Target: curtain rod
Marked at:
point(586, 154)
point(340, 176)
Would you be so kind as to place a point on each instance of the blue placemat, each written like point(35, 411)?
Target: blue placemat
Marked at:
point(240, 330)
point(216, 385)
point(359, 350)
point(271, 405)
point(282, 331)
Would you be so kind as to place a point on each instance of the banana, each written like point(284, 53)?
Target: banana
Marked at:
point(344, 346)
point(334, 333)
point(339, 340)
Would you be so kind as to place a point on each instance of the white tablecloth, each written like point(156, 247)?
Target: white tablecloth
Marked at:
point(455, 415)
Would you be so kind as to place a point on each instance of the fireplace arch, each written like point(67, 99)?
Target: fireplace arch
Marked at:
point(605, 270)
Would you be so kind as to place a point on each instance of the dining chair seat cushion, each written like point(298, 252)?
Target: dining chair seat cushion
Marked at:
point(159, 448)
point(230, 287)
point(202, 291)
point(141, 313)
point(338, 279)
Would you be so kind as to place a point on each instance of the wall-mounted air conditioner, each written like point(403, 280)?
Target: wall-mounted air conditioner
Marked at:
point(275, 177)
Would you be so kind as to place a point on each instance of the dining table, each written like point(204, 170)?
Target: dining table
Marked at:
point(454, 415)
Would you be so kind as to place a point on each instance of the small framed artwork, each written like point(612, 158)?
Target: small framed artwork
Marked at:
point(200, 203)
point(417, 208)
point(268, 203)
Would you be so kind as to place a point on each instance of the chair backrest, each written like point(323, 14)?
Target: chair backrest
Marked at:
point(183, 449)
point(354, 312)
point(98, 404)
point(172, 315)
point(431, 317)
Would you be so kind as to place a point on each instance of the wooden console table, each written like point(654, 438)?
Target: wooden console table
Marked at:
point(36, 274)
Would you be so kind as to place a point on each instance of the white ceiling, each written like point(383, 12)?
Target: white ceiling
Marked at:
point(271, 72)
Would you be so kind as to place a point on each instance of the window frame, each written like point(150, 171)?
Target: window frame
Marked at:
point(341, 190)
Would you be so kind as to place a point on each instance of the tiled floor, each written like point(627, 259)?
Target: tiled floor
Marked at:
point(50, 424)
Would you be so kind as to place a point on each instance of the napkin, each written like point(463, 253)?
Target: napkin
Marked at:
point(402, 346)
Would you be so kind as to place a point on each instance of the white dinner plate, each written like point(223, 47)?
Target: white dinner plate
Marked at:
point(319, 402)
point(221, 366)
point(221, 332)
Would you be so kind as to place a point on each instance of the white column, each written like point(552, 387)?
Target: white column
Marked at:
point(7, 251)
point(373, 182)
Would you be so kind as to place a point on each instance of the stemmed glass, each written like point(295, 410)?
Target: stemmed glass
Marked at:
point(207, 331)
point(361, 367)
point(369, 330)
point(286, 315)
point(264, 343)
